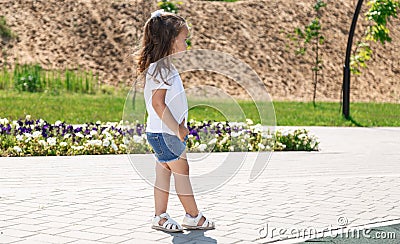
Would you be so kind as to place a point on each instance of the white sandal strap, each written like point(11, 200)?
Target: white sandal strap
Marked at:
point(165, 215)
point(197, 219)
point(169, 223)
point(205, 224)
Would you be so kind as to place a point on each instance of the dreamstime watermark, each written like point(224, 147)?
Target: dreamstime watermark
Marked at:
point(214, 98)
point(341, 230)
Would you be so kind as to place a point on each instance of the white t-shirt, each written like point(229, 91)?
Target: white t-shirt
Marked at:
point(175, 99)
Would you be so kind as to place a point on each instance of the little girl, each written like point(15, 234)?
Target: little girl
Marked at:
point(166, 104)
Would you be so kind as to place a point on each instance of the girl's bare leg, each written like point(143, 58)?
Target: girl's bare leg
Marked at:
point(161, 189)
point(183, 187)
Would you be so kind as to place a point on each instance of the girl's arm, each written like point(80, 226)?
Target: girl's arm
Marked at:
point(162, 110)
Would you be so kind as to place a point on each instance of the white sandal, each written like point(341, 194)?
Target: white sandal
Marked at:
point(169, 225)
point(192, 223)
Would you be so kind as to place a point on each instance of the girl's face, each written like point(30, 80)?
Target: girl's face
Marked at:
point(180, 44)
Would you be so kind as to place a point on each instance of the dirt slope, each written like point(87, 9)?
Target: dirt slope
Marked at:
point(100, 35)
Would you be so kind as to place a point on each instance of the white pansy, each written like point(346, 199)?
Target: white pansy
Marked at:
point(28, 117)
point(41, 122)
point(126, 141)
point(57, 123)
point(109, 124)
point(36, 134)
point(137, 139)
point(52, 141)
point(28, 139)
point(285, 132)
point(95, 142)
point(17, 149)
point(66, 136)
point(27, 135)
point(224, 140)
point(98, 122)
point(114, 146)
point(78, 148)
point(213, 141)
point(106, 143)
point(301, 136)
point(250, 147)
point(249, 121)
point(20, 137)
point(93, 132)
point(4, 121)
point(202, 147)
point(79, 135)
point(265, 134)
point(232, 148)
point(261, 146)
point(257, 128)
point(63, 144)
point(43, 143)
point(88, 136)
point(235, 134)
point(106, 134)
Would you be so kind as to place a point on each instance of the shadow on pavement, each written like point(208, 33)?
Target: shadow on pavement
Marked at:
point(192, 236)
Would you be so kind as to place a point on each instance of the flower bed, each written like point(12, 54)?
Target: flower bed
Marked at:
point(39, 138)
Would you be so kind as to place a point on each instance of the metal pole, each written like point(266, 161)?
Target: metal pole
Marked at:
point(346, 73)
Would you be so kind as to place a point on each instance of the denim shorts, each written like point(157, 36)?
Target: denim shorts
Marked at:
point(166, 147)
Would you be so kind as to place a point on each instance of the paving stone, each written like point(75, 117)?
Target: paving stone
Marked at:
point(101, 199)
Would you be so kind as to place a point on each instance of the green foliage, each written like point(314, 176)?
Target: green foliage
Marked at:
point(311, 35)
point(33, 78)
point(319, 4)
point(5, 31)
point(27, 78)
point(379, 15)
point(359, 61)
point(170, 6)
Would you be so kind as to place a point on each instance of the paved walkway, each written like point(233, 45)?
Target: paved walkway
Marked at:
point(353, 181)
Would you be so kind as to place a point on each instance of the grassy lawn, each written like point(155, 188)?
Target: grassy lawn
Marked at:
point(81, 108)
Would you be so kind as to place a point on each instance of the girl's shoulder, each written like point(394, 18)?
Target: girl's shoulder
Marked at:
point(160, 71)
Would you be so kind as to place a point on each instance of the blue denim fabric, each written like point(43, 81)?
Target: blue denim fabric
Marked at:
point(166, 147)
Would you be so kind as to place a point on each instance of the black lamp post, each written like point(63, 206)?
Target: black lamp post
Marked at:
point(346, 73)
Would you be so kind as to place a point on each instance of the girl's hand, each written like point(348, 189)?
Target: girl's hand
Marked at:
point(183, 131)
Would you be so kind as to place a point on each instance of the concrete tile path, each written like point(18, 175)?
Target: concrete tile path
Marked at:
point(354, 181)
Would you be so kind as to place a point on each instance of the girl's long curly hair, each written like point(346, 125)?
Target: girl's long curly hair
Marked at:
point(157, 42)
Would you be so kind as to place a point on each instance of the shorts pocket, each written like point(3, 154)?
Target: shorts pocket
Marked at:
point(155, 144)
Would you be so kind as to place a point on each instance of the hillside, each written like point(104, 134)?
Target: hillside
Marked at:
point(101, 36)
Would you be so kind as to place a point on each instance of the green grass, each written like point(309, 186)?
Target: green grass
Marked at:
point(80, 108)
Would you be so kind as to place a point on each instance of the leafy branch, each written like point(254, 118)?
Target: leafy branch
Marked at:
point(379, 15)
